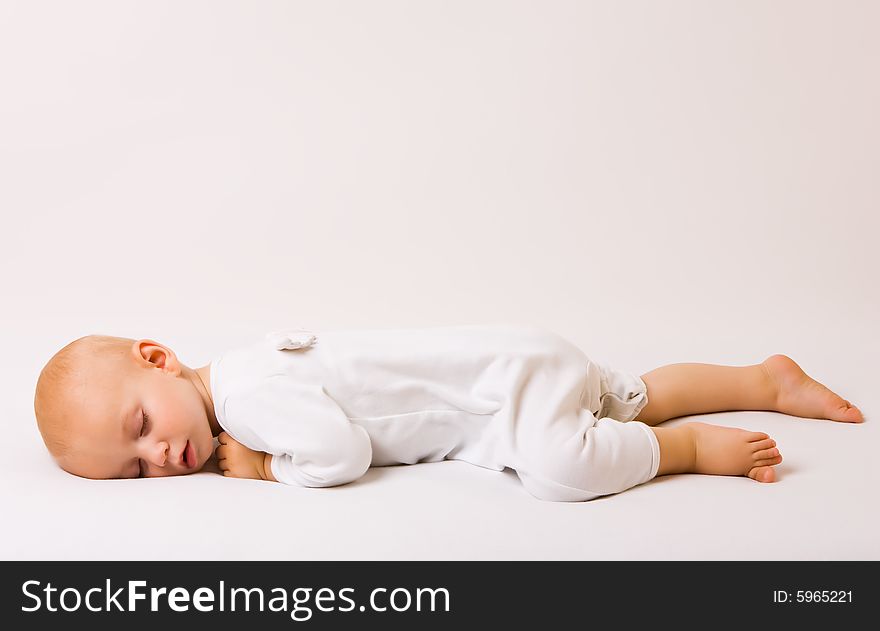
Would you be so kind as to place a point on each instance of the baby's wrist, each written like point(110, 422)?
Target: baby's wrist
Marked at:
point(266, 470)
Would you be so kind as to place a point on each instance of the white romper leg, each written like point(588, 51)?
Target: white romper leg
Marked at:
point(586, 453)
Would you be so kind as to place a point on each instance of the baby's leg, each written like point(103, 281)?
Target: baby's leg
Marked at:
point(777, 384)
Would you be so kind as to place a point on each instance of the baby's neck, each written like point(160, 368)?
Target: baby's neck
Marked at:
point(201, 380)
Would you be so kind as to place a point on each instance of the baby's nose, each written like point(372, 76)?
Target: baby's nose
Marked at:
point(160, 453)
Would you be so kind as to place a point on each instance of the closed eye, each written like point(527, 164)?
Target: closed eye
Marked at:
point(142, 468)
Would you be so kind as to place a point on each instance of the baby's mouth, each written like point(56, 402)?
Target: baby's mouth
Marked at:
point(185, 457)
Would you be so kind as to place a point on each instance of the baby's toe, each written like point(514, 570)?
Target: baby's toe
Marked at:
point(759, 445)
point(762, 474)
point(851, 414)
point(764, 454)
point(768, 462)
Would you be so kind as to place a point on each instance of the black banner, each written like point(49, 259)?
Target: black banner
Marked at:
point(433, 594)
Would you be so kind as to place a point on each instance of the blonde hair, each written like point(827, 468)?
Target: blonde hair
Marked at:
point(62, 374)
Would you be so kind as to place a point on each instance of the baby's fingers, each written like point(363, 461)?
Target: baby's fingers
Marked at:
point(223, 437)
point(221, 451)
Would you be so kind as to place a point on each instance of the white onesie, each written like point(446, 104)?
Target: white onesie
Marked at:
point(328, 405)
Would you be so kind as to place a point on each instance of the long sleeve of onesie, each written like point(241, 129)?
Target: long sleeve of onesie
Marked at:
point(321, 448)
point(328, 406)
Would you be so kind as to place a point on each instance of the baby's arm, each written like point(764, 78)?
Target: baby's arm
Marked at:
point(237, 461)
point(267, 468)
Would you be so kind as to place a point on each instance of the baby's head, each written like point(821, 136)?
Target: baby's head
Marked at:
point(113, 407)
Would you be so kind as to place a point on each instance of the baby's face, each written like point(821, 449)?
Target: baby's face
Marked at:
point(143, 421)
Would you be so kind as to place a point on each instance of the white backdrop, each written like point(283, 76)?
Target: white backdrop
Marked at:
point(657, 181)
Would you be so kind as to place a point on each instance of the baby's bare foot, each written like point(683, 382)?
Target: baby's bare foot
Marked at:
point(733, 451)
point(801, 395)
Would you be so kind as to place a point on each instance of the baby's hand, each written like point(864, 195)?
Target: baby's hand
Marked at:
point(237, 461)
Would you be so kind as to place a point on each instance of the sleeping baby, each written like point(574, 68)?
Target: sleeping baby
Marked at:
point(319, 409)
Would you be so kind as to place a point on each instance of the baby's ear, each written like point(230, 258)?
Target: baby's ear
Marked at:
point(152, 352)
